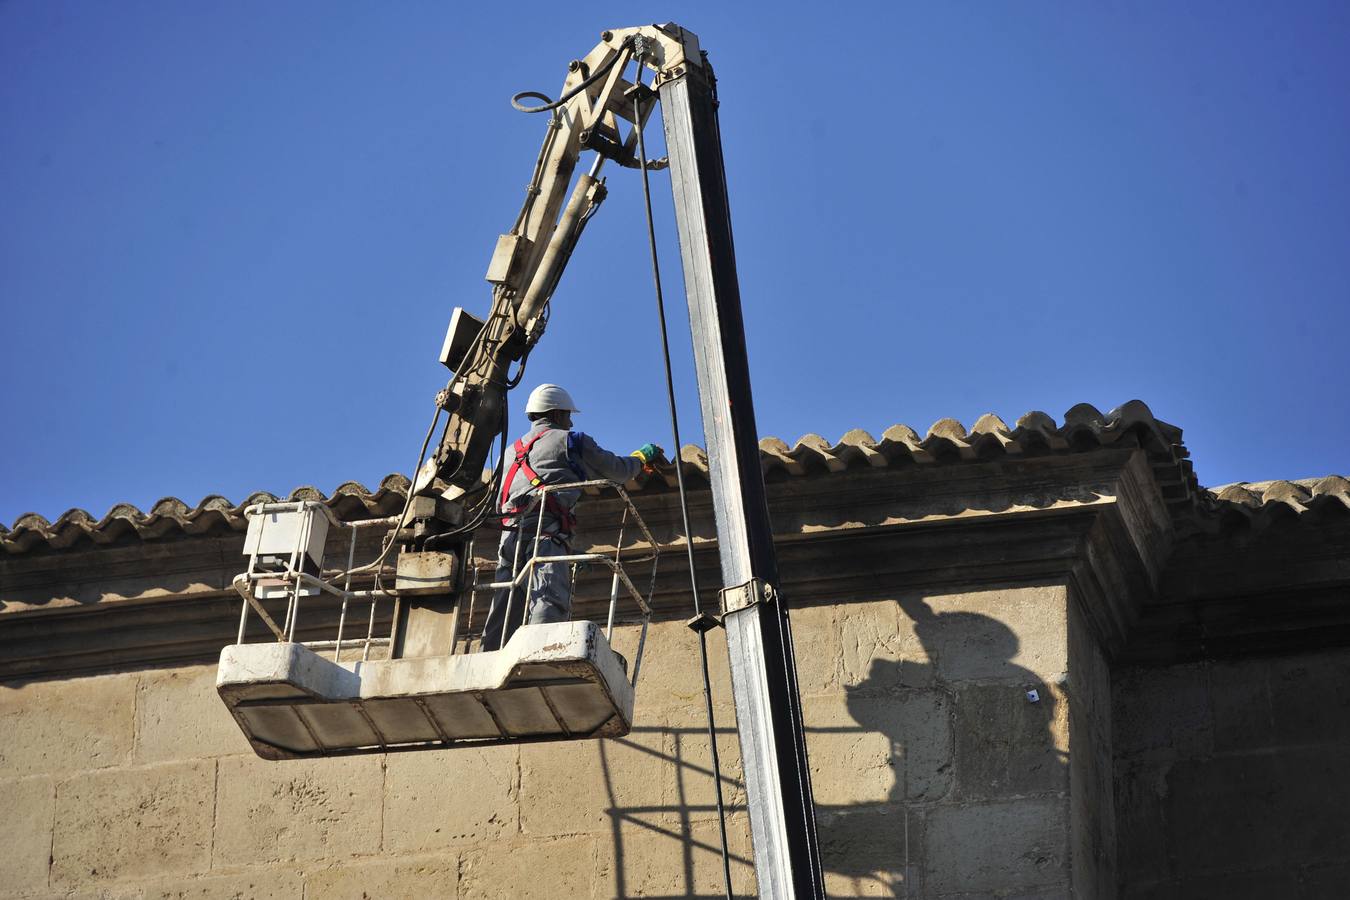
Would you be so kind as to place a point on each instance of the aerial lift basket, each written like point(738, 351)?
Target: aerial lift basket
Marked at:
point(296, 699)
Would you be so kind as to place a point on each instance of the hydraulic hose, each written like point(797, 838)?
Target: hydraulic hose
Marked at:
point(592, 79)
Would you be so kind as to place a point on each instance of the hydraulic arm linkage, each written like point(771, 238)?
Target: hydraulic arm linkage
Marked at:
point(596, 105)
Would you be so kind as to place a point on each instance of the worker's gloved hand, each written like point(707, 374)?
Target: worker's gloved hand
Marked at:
point(649, 454)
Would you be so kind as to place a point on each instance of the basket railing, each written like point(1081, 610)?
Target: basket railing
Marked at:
point(295, 582)
point(522, 577)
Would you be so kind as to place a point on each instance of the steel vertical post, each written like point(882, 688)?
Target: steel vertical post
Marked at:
point(759, 634)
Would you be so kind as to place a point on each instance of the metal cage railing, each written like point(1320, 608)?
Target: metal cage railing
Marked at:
point(289, 573)
point(523, 576)
point(294, 582)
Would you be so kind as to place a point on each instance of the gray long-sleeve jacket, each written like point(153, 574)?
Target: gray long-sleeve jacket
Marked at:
point(560, 456)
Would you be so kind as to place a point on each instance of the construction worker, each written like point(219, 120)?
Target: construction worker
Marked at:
point(549, 453)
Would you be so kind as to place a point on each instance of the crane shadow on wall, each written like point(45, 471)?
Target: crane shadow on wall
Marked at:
point(960, 728)
point(686, 827)
point(897, 773)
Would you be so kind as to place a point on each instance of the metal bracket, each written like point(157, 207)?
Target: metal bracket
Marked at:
point(703, 623)
point(426, 572)
point(743, 596)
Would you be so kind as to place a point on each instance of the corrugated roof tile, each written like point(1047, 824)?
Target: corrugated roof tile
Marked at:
point(859, 444)
point(1085, 429)
point(1332, 486)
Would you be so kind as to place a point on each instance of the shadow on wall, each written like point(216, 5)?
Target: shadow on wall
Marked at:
point(899, 788)
point(960, 727)
point(688, 826)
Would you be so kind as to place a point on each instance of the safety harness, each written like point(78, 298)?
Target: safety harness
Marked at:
point(566, 519)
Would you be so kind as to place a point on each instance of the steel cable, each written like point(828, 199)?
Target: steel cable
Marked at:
point(407, 503)
point(679, 480)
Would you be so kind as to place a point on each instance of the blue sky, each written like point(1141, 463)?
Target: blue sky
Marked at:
point(232, 234)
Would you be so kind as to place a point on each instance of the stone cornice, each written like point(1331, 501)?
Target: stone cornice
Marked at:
point(870, 532)
point(1099, 521)
point(1253, 591)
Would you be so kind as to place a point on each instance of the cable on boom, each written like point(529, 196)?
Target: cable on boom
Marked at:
point(407, 504)
point(701, 622)
point(587, 82)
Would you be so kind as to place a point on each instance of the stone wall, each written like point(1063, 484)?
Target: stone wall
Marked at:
point(936, 583)
point(1233, 778)
point(1092, 812)
point(935, 776)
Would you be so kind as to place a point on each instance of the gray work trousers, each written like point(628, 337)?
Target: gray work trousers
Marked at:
point(549, 587)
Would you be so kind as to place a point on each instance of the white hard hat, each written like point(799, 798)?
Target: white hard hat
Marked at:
point(549, 396)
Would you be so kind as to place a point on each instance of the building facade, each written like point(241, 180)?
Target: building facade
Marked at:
point(1036, 662)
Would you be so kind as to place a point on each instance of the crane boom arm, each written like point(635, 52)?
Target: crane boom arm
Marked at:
point(528, 261)
point(524, 271)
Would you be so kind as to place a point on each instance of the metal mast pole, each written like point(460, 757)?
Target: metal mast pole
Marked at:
point(759, 635)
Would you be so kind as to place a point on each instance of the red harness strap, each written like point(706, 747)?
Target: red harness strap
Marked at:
point(552, 505)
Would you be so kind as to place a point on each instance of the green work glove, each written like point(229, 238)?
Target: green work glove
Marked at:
point(648, 453)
